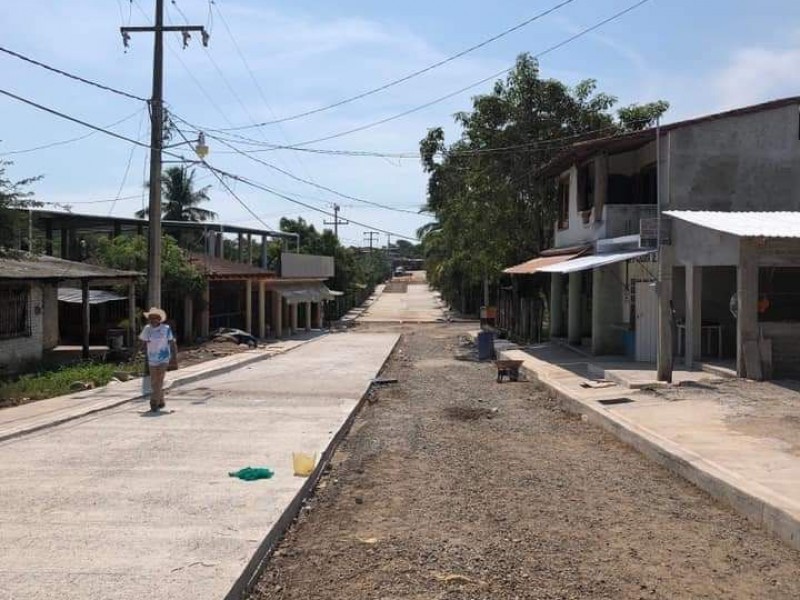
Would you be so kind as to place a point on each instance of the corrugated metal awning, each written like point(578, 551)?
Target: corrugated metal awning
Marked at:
point(596, 260)
point(779, 224)
point(537, 264)
point(75, 296)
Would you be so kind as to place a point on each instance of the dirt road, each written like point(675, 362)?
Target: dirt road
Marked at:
point(452, 486)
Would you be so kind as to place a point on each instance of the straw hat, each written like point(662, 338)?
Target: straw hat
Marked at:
point(157, 312)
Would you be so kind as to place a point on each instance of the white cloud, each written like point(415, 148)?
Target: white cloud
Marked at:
point(757, 74)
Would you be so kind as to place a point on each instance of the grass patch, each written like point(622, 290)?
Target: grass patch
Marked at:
point(47, 384)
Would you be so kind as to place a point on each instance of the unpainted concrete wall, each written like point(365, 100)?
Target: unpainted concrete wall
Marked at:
point(17, 353)
point(50, 330)
point(748, 162)
point(703, 247)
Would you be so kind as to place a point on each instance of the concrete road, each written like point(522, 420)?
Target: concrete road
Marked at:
point(121, 504)
point(418, 304)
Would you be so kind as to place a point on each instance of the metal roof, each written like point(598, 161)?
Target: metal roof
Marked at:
point(595, 260)
point(779, 224)
point(50, 267)
point(75, 296)
point(537, 264)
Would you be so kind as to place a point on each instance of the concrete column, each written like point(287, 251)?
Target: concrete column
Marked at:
point(239, 247)
point(48, 237)
point(308, 316)
point(263, 252)
point(277, 314)
point(188, 318)
point(574, 309)
point(320, 315)
point(132, 314)
point(64, 244)
point(694, 295)
point(747, 300)
point(248, 305)
point(205, 314)
point(293, 317)
point(220, 246)
point(87, 318)
point(556, 312)
point(600, 185)
point(262, 309)
point(607, 310)
point(664, 362)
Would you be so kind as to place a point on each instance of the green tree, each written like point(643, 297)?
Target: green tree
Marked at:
point(490, 209)
point(181, 200)
point(14, 195)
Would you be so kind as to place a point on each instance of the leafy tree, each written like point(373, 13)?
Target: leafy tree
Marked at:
point(490, 209)
point(129, 253)
point(14, 195)
point(181, 200)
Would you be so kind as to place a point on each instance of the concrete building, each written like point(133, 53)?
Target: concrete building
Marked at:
point(604, 293)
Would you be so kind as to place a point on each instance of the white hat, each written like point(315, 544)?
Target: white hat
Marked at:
point(155, 311)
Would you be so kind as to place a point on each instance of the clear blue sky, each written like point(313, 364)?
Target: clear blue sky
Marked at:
point(701, 55)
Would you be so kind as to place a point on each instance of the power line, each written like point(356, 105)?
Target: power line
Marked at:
point(70, 140)
point(472, 85)
point(127, 167)
point(71, 75)
point(414, 74)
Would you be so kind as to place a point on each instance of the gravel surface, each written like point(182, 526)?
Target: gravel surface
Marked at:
point(453, 486)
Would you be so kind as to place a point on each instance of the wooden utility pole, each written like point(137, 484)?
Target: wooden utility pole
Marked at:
point(336, 221)
point(157, 140)
point(371, 236)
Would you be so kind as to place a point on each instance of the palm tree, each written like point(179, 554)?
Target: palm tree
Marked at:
point(180, 200)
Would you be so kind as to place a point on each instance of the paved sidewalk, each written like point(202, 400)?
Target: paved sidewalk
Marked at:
point(26, 418)
point(694, 434)
point(127, 505)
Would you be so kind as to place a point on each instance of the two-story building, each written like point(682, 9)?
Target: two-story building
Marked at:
point(604, 267)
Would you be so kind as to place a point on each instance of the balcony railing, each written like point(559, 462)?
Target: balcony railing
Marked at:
point(625, 219)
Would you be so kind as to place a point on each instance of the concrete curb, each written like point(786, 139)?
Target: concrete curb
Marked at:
point(177, 382)
point(244, 584)
point(775, 513)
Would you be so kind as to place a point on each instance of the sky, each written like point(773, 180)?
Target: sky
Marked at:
point(268, 60)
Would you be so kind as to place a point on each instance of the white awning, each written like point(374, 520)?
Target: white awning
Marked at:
point(779, 224)
point(75, 296)
point(595, 260)
point(306, 292)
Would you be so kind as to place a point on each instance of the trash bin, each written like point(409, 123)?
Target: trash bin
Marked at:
point(115, 338)
point(485, 345)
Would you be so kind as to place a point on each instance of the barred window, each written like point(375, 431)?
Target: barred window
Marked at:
point(15, 318)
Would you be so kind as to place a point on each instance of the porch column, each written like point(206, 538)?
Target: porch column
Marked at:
point(188, 318)
point(320, 315)
point(607, 310)
point(48, 237)
point(747, 300)
point(86, 313)
point(132, 320)
point(308, 316)
point(205, 314)
point(262, 309)
point(293, 317)
point(248, 305)
point(239, 248)
point(263, 252)
point(64, 244)
point(574, 308)
point(600, 185)
point(692, 330)
point(277, 314)
point(556, 312)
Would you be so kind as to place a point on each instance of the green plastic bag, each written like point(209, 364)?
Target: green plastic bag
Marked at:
point(252, 473)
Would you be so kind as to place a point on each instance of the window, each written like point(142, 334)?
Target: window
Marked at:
point(779, 294)
point(15, 312)
point(563, 203)
point(586, 187)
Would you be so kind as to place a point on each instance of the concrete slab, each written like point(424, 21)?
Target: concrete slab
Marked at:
point(122, 504)
point(419, 304)
point(26, 418)
point(758, 474)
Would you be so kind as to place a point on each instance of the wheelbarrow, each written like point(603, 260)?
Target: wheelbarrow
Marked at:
point(507, 368)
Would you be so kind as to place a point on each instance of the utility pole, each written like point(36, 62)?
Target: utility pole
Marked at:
point(664, 364)
point(389, 252)
point(157, 140)
point(336, 221)
point(371, 236)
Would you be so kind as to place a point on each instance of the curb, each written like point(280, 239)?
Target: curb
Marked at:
point(90, 410)
point(244, 584)
point(760, 505)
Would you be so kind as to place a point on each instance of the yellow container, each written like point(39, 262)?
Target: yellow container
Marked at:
point(303, 463)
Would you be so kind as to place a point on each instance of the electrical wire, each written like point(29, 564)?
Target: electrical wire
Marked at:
point(127, 167)
point(440, 99)
point(71, 75)
point(414, 74)
point(71, 140)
